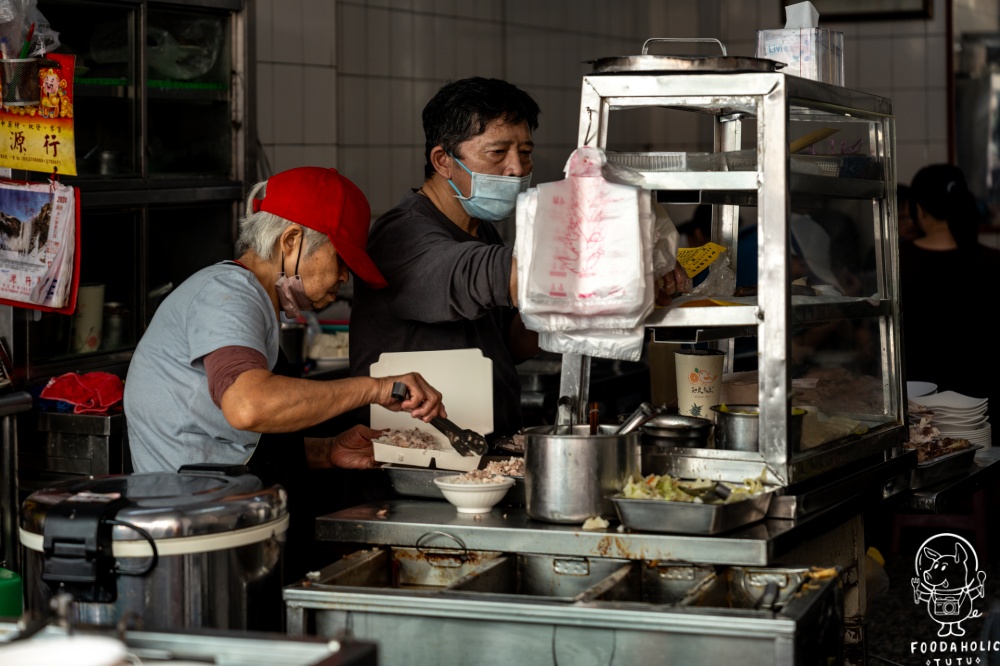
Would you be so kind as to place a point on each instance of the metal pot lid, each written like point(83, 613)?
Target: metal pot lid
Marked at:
point(678, 424)
point(685, 64)
point(167, 505)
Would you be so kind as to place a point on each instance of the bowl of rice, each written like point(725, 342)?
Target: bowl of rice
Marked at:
point(476, 491)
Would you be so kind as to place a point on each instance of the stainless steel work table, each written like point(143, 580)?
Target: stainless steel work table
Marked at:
point(402, 522)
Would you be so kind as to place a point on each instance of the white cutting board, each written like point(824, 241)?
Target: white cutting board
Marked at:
point(465, 379)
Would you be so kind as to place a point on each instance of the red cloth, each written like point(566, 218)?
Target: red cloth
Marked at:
point(89, 393)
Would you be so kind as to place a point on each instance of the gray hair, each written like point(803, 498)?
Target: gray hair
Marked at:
point(260, 231)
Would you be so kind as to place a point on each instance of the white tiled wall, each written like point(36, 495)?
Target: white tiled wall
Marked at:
point(342, 82)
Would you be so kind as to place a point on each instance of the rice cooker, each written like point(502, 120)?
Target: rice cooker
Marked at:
point(200, 548)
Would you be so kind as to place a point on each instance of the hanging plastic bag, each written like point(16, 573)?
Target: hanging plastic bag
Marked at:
point(586, 244)
point(45, 39)
point(622, 345)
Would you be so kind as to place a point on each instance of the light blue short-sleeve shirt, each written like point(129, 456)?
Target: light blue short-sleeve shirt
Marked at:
point(171, 418)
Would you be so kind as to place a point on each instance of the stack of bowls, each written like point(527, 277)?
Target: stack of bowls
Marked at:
point(664, 432)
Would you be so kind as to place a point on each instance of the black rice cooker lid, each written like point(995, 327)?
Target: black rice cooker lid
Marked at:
point(167, 505)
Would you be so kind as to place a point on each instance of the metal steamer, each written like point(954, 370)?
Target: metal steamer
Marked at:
point(195, 549)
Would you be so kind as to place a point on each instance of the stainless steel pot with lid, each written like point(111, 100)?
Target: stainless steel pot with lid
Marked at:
point(568, 477)
point(195, 549)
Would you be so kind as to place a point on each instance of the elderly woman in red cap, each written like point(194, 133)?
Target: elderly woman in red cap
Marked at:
point(203, 384)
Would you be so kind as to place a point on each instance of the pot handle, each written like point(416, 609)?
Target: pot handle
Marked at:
point(645, 45)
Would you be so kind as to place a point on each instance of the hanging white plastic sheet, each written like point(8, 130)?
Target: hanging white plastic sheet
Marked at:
point(39, 245)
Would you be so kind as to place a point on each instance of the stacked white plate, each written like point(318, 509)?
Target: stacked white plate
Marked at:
point(959, 416)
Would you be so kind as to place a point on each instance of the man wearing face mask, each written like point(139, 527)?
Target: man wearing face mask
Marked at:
point(452, 282)
point(206, 382)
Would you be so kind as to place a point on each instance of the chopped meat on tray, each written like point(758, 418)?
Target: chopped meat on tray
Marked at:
point(411, 438)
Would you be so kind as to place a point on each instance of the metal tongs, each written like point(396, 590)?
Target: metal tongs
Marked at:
point(466, 442)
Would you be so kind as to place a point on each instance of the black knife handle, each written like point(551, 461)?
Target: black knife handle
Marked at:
point(399, 391)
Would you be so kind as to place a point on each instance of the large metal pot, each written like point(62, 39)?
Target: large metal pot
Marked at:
point(218, 542)
point(569, 476)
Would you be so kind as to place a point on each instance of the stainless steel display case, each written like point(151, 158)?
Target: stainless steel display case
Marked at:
point(777, 109)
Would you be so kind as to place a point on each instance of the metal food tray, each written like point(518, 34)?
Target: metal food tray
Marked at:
point(653, 515)
point(936, 470)
point(419, 481)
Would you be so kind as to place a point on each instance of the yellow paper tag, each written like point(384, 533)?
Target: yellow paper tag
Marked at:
point(696, 259)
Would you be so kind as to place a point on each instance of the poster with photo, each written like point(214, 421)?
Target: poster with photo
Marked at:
point(39, 245)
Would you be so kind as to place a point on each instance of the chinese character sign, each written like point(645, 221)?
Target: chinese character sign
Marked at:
point(39, 245)
point(39, 137)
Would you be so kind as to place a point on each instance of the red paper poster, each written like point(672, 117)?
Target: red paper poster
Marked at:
point(37, 134)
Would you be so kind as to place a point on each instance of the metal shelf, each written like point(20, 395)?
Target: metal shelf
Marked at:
point(805, 310)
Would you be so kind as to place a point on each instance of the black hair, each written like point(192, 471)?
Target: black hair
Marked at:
point(462, 109)
point(941, 190)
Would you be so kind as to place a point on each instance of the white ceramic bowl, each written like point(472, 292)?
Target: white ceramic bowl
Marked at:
point(473, 497)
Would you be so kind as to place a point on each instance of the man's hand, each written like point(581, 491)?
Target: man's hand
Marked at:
point(670, 285)
point(424, 402)
point(352, 449)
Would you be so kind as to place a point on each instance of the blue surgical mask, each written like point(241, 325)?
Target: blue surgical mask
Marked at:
point(491, 198)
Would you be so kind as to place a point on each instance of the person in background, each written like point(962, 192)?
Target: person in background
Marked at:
point(946, 283)
point(208, 383)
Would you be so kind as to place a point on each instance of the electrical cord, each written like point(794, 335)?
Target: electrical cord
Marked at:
point(152, 544)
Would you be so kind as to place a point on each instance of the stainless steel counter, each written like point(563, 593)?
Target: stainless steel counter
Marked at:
point(438, 524)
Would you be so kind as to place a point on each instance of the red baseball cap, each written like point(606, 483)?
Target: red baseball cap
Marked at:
point(326, 201)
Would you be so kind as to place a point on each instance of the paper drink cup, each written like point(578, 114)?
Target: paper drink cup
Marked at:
point(699, 380)
point(88, 318)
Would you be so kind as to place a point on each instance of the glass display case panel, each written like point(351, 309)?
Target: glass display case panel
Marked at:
point(102, 36)
point(182, 240)
point(188, 93)
point(108, 251)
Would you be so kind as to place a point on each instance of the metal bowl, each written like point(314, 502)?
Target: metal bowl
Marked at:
point(738, 427)
point(664, 432)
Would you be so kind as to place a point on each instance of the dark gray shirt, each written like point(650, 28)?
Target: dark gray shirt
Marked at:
point(447, 290)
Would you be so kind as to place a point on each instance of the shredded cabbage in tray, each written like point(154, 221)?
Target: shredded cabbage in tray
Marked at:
point(671, 489)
